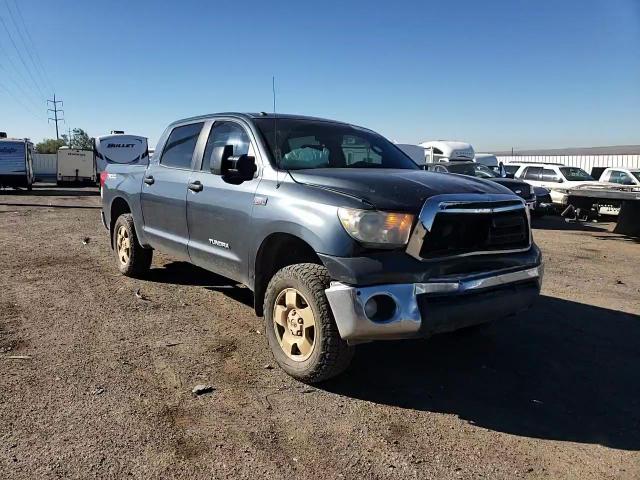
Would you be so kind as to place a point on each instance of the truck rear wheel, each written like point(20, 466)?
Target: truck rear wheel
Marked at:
point(299, 325)
point(132, 259)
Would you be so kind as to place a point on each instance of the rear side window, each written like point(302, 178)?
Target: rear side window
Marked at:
point(179, 148)
point(223, 134)
point(549, 175)
point(532, 173)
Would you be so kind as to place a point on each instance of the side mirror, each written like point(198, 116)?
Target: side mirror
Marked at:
point(239, 168)
point(560, 180)
point(218, 157)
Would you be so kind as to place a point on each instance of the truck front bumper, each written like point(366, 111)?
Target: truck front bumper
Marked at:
point(410, 310)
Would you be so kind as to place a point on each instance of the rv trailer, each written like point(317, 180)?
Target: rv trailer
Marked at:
point(75, 166)
point(16, 162)
point(122, 149)
point(447, 151)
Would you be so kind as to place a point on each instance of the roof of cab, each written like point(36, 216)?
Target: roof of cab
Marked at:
point(252, 116)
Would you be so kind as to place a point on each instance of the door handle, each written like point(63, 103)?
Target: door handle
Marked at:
point(149, 180)
point(195, 186)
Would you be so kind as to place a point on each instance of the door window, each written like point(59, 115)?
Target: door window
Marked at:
point(621, 178)
point(357, 150)
point(549, 175)
point(532, 173)
point(223, 134)
point(179, 148)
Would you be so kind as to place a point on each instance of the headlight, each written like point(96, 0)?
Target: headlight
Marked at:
point(375, 228)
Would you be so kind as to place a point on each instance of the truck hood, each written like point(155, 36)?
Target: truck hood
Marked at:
point(391, 189)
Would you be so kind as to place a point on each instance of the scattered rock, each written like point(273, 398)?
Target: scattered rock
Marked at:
point(308, 390)
point(202, 389)
point(619, 282)
point(140, 296)
point(268, 366)
point(98, 391)
point(86, 240)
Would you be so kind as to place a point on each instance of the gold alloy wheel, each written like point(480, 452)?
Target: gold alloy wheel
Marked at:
point(123, 245)
point(294, 324)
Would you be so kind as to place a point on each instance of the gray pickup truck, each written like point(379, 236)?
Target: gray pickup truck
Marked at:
point(340, 236)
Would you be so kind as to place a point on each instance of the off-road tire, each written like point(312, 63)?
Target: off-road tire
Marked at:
point(139, 260)
point(331, 355)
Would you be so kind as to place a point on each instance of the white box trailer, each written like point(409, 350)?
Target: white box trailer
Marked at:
point(120, 148)
point(76, 166)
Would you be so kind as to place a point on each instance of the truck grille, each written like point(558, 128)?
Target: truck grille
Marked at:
point(466, 228)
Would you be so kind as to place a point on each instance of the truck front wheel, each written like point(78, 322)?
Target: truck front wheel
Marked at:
point(299, 325)
point(131, 258)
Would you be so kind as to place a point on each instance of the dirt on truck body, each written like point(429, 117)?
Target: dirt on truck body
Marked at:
point(97, 371)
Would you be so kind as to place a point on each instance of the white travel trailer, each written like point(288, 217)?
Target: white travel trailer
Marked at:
point(75, 166)
point(16, 163)
point(447, 151)
point(121, 148)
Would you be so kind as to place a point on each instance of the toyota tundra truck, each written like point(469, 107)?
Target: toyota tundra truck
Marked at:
point(341, 237)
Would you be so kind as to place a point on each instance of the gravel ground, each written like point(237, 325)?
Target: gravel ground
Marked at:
point(96, 382)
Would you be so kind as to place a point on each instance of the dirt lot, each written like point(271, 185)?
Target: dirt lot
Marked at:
point(106, 388)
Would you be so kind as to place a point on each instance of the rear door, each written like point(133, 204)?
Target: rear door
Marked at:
point(164, 191)
point(532, 175)
point(219, 212)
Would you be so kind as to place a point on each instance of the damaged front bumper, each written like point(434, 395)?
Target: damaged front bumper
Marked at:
point(411, 310)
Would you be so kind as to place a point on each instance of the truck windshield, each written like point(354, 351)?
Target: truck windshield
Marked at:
point(303, 144)
point(574, 174)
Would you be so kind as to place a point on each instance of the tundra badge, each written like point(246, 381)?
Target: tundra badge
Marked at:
point(218, 243)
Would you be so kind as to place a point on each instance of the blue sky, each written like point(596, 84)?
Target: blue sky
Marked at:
point(500, 74)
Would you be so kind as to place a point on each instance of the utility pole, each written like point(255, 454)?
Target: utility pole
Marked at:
point(55, 111)
point(69, 137)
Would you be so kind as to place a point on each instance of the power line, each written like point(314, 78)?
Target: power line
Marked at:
point(26, 107)
point(15, 70)
point(29, 46)
point(18, 86)
point(21, 57)
point(55, 111)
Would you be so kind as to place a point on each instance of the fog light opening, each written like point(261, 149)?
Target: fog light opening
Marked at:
point(380, 308)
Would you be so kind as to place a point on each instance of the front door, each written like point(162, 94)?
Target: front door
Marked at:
point(219, 213)
point(164, 192)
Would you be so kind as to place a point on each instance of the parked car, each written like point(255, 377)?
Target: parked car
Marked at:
point(340, 236)
point(16, 163)
point(489, 160)
point(621, 176)
point(544, 204)
point(473, 169)
point(558, 178)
